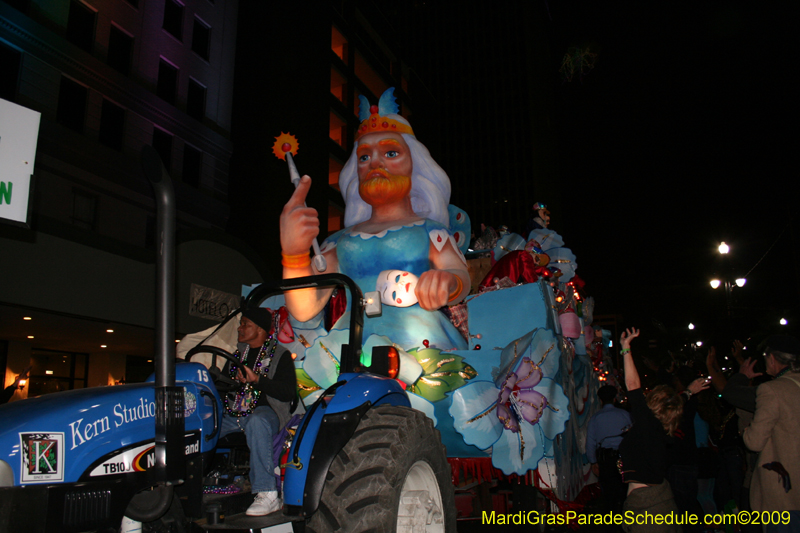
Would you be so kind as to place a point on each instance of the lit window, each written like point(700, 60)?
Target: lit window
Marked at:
point(338, 85)
point(338, 44)
point(356, 101)
point(335, 219)
point(334, 168)
point(367, 74)
point(338, 129)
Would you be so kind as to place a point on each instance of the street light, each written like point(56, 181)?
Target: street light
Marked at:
point(783, 321)
point(691, 326)
point(715, 284)
point(724, 249)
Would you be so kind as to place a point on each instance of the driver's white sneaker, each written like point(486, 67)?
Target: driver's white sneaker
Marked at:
point(265, 503)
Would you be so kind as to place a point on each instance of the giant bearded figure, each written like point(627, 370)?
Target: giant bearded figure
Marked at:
point(396, 220)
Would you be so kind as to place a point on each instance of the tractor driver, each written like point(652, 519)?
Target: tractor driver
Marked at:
point(260, 406)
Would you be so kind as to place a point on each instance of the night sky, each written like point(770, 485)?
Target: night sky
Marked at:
point(677, 139)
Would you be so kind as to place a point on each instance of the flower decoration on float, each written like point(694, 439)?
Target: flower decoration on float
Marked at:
point(443, 372)
point(321, 364)
point(562, 260)
point(508, 242)
point(546, 238)
point(305, 385)
point(285, 143)
point(519, 413)
point(382, 117)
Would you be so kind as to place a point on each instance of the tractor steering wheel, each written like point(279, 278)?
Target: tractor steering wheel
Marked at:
point(223, 382)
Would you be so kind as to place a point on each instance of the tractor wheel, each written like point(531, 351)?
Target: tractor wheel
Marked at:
point(173, 521)
point(392, 476)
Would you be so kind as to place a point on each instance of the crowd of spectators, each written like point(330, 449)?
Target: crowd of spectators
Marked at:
point(712, 432)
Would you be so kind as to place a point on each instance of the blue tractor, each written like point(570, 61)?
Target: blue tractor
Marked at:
point(107, 458)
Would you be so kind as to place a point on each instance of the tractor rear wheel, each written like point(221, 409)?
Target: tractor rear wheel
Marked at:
point(391, 476)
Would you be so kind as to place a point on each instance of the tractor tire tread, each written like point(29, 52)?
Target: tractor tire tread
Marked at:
point(361, 492)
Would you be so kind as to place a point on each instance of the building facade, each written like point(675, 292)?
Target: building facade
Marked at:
point(109, 77)
point(301, 69)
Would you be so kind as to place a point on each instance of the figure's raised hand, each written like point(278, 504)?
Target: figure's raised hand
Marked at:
point(434, 288)
point(627, 336)
point(299, 224)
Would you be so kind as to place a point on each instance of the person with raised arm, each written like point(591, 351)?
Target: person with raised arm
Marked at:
point(643, 450)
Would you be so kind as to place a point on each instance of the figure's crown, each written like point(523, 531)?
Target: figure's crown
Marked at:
point(376, 117)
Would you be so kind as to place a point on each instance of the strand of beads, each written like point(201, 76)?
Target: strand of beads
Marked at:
point(247, 393)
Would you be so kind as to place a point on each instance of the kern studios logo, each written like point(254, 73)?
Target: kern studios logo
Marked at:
point(42, 457)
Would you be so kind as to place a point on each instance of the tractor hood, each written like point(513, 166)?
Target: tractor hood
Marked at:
point(70, 436)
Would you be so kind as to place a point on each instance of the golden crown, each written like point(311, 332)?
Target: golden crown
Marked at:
point(374, 117)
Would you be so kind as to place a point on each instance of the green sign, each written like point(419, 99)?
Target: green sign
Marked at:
point(19, 132)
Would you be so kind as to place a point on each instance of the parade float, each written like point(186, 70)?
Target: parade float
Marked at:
point(508, 373)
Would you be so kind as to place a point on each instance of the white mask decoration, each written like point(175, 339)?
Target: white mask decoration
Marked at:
point(397, 288)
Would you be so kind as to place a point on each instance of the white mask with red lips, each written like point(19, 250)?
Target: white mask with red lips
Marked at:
point(397, 288)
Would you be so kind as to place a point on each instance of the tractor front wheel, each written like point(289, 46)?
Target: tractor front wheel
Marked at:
point(392, 475)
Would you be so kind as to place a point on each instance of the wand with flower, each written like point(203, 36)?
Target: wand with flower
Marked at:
point(285, 147)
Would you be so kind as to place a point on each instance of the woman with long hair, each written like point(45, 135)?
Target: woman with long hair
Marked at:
point(643, 450)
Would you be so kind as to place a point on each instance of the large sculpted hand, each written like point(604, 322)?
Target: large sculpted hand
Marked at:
point(434, 289)
point(299, 224)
